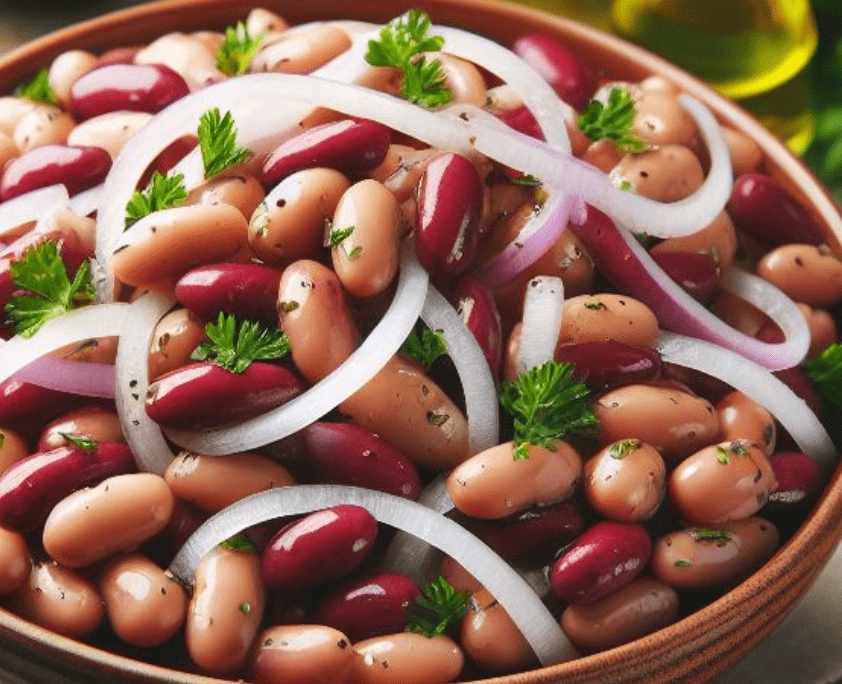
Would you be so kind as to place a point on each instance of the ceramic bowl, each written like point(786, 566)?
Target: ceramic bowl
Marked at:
point(694, 649)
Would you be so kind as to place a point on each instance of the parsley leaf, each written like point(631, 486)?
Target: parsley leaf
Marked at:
point(41, 271)
point(613, 121)
point(237, 51)
point(38, 89)
point(547, 404)
point(218, 142)
point(623, 448)
point(235, 350)
point(825, 370)
point(709, 534)
point(338, 235)
point(239, 542)
point(527, 180)
point(441, 605)
point(401, 45)
point(81, 442)
point(163, 192)
point(424, 346)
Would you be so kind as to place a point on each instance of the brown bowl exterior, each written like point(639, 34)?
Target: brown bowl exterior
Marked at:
point(693, 650)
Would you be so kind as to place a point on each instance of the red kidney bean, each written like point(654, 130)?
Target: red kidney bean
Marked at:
point(204, 395)
point(319, 548)
point(369, 607)
point(249, 291)
point(28, 406)
point(347, 454)
point(77, 167)
point(800, 383)
point(763, 208)
point(32, 486)
point(171, 155)
point(559, 65)
point(606, 557)
point(125, 87)
point(522, 120)
point(450, 198)
point(697, 274)
point(352, 146)
point(799, 479)
point(533, 536)
point(610, 363)
point(475, 304)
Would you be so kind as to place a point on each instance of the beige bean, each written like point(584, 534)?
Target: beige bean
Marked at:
point(366, 260)
point(109, 131)
point(212, 40)
point(626, 481)
point(13, 447)
point(637, 609)
point(661, 120)
point(676, 423)
point(225, 612)
point(176, 337)
point(702, 558)
point(666, 174)
point(168, 243)
point(290, 224)
point(746, 155)
point(579, 142)
point(602, 154)
point(718, 239)
point(13, 109)
point(8, 150)
point(808, 274)
point(457, 577)
point(60, 600)
point(67, 221)
point(302, 654)
point(423, 422)
point(68, 67)
point(491, 639)
point(407, 658)
point(742, 418)
point(261, 20)
point(823, 329)
point(402, 168)
point(145, 605)
point(15, 562)
point(493, 485)
point(660, 84)
point(501, 202)
point(43, 126)
point(115, 516)
point(96, 350)
point(738, 313)
point(242, 191)
point(599, 317)
point(462, 79)
point(184, 54)
point(197, 478)
point(86, 422)
point(304, 52)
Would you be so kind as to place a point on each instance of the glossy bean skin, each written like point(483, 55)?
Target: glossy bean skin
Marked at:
point(28, 407)
point(491, 639)
point(474, 302)
point(369, 607)
point(302, 53)
point(46, 125)
point(13, 447)
point(196, 478)
point(367, 260)
point(600, 317)
point(640, 608)
point(457, 577)
point(606, 557)
point(125, 87)
point(462, 79)
point(187, 55)
point(352, 146)
point(12, 110)
point(408, 658)
point(718, 240)
point(609, 363)
point(603, 155)
point(345, 453)
point(661, 120)
point(559, 65)
point(145, 606)
point(697, 274)
point(766, 210)
point(33, 485)
point(203, 395)
point(402, 168)
point(493, 485)
point(15, 561)
point(115, 516)
point(302, 654)
point(78, 168)
point(798, 478)
point(224, 615)
point(823, 329)
point(721, 483)
point(701, 558)
point(319, 548)
point(450, 197)
point(676, 423)
point(742, 418)
point(93, 423)
point(667, 173)
point(745, 154)
point(241, 190)
point(806, 273)
point(175, 338)
point(59, 599)
point(67, 68)
point(522, 120)
point(249, 291)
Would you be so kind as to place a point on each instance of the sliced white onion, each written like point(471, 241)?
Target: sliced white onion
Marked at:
point(532, 618)
point(87, 202)
point(381, 345)
point(472, 366)
point(30, 207)
point(758, 384)
point(74, 326)
point(543, 308)
point(67, 375)
point(143, 435)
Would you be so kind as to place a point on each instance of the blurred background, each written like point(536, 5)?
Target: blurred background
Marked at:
point(781, 59)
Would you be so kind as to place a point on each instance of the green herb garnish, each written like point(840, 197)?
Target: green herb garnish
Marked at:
point(245, 607)
point(424, 346)
point(722, 455)
point(440, 606)
point(683, 564)
point(737, 447)
point(547, 405)
point(595, 305)
point(163, 192)
point(527, 181)
point(218, 143)
point(42, 273)
point(81, 442)
point(825, 370)
point(237, 51)
point(623, 448)
point(239, 542)
point(708, 534)
point(38, 89)
point(613, 121)
point(235, 350)
point(401, 45)
point(337, 236)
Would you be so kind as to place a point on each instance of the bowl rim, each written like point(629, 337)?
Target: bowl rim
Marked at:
point(812, 544)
